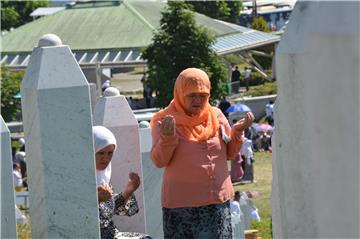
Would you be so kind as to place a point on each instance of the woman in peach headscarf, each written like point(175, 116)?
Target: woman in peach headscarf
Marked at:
point(192, 141)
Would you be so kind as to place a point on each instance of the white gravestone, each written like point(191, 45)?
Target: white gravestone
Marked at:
point(275, 198)
point(152, 185)
point(114, 112)
point(317, 122)
point(7, 196)
point(93, 95)
point(59, 146)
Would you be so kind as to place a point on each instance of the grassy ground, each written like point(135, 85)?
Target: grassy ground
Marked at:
point(263, 177)
point(24, 230)
point(268, 88)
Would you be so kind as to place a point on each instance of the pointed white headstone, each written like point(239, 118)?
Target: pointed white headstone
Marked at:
point(58, 131)
point(114, 112)
point(7, 198)
point(317, 122)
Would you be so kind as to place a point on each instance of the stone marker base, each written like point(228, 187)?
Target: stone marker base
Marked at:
point(251, 234)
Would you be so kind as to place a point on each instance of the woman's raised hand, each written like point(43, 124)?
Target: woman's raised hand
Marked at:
point(134, 181)
point(167, 126)
point(104, 191)
point(244, 123)
point(132, 185)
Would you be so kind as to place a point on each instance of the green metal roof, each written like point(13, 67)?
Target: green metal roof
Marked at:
point(83, 28)
point(152, 13)
point(113, 33)
point(127, 25)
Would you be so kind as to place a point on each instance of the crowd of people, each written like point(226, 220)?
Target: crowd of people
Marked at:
point(192, 142)
point(257, 137)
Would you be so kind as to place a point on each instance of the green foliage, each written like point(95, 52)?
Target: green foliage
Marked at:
point(264, 228)
point(17, 13)
point(10, 86)
point(237, 60)
point(265, 62)
point(259, 24)
point(179, 44)
point(220, 9)
point(268, 88)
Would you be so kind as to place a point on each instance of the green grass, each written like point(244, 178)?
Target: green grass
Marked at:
point(24, 230)
point(263, 177)
point(268, 88)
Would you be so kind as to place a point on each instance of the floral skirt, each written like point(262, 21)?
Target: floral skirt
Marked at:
point(206, 222)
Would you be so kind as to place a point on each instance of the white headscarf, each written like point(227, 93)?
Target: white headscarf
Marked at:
point(22, 141)
point(102, 138)
point(20, 155)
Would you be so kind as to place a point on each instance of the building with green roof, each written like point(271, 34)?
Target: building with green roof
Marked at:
point(110, 34)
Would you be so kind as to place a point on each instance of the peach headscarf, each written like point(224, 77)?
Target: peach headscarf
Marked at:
point(195, 128)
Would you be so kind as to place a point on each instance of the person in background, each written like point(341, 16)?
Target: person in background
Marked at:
point(13, 152)
point(250, 133)
point(235, 80)
point(269, 110)
point(266, 142)
point(247, 73)
point(224, 105)
point(247, 155)
point(105, 85)
point(110, 204)
point(131, 103)
point(238, 220)
point(235, 205)
point(249, 210)
point(18, 183)
point(237, 171)
point(147, 92)
point(192, 141)
point(22, 144)
point(20, 158)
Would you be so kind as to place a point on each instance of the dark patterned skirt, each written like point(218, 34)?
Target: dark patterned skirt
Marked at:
point(207, 222)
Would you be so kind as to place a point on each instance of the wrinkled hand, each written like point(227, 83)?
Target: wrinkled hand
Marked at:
point(132, 185)
point(167, 126)
point(245, 123)
point(104, 191)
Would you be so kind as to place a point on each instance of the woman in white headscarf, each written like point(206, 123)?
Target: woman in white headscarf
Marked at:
point(110, 203)
point(20, 158)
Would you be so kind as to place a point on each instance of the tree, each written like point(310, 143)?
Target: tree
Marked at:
point(10, 86)
point(17, 13)
point(228, 11)
point(179, 44)
point(260, 24)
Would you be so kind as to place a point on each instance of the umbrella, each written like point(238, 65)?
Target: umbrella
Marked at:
point(238, 108)
point(17, 96)
point(263, 128)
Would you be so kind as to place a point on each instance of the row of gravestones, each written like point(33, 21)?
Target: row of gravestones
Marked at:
point(58, 119)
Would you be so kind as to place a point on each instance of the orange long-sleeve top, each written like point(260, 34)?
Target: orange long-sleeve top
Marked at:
point(195, 173)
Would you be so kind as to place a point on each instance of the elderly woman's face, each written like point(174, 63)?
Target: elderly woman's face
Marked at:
point(195, 102)
point(104, 156)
